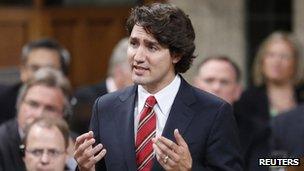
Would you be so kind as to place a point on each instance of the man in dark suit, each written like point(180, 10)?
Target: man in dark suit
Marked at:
point(119, 76)
point(180, 127)
point(35, 54)
point(288, 133)
point(47, 93)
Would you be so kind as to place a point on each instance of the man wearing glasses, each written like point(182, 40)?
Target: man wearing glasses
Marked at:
point(46, 141)
point(46, 94)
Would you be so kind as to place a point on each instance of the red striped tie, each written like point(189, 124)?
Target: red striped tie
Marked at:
point(145, 132)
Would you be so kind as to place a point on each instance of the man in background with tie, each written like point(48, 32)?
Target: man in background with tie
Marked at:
point(162, 122)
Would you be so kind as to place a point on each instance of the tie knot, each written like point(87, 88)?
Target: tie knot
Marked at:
point(151, 101)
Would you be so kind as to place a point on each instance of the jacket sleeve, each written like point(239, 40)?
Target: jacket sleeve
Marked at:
point(95, 126)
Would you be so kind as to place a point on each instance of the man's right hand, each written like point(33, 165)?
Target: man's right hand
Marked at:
point(85, 155)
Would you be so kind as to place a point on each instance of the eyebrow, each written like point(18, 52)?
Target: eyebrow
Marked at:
point(146, 40)
point(151, 42)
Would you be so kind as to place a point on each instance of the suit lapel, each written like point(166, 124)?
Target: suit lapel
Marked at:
point(180, 115)
point(125, 125)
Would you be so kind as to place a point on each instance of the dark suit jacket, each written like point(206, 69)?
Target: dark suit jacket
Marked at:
point(206, 123)
point(86, 97)
point(8, 98)
point(288, 132)
point(10, 155)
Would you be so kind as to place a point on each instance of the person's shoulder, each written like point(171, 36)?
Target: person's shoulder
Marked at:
point(206, 100)
point(254, 90)
point(8, 89)
point(91, 91)
point(110, 98)
point(8, 128)
point(207, 97)
point(291, 117)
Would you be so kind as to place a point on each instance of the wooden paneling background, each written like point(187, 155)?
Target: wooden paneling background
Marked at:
point(89, 33)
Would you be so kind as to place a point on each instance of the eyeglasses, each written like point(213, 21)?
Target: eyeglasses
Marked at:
point(52, 153)
point(35, 105)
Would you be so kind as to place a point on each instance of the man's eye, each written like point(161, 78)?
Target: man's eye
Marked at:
point(37, 152)
point(152, 48)
point(32, 104)
point(225, 82)
point(133, 43)
point(209, 80)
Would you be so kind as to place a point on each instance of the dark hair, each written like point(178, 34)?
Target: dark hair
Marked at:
point(225, 59)
point(170, 26)
point(51, 44)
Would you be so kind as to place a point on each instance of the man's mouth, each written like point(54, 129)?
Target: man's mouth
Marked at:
point(139, 70)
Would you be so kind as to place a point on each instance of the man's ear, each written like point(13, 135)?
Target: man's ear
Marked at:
point(23, 73)
point(176, 58)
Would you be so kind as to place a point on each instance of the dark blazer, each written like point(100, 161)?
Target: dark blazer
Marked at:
point(10, 155)
point(82, 111)
point(253, 118)
point(288, 132)
point(8, 98)
point(206, 123)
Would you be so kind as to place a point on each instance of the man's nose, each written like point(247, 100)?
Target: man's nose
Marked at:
point(216, 86)
point(139, 55)
point(45, 159)
point(39, 111)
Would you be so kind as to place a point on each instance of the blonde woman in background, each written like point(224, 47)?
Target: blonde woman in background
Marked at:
point(277, 76)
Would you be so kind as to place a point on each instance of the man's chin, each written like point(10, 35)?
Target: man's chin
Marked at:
point(139, 80)
point(44, 169)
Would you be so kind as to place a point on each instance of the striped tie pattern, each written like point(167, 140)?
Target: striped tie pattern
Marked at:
point(146, 130)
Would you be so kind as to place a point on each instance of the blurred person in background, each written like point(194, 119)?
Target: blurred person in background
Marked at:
point(46, 93)
point(288, 133)
point(119, 76)
point(35, 54)
point(220, 76)
point(46, 141)
point(277, 76)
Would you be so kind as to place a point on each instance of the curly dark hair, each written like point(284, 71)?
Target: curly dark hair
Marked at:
point(170, 26)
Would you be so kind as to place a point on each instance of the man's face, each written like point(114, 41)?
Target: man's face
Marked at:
point(219, 78)
point(38, 58)
point(151, 64)
point(45, 149)
point(39, 100)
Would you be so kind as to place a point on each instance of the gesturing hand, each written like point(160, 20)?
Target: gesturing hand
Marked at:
point(172, 156)
point(85, 153)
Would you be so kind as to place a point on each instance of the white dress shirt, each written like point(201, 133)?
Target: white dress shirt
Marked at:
point(164, 98)
point(110, 85)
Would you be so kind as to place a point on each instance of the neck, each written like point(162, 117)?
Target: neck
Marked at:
point(154, 88)
point(279, 85)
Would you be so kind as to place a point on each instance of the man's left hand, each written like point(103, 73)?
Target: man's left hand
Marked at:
point(172, 156)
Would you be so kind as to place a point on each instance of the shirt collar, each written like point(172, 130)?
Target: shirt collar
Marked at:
point(165, 97)
point(110, 84)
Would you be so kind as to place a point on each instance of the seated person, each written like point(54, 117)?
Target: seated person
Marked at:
point(276, 89)
point(46, 93)
point(220, 76)
point(46, 141)
point(35, 55)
